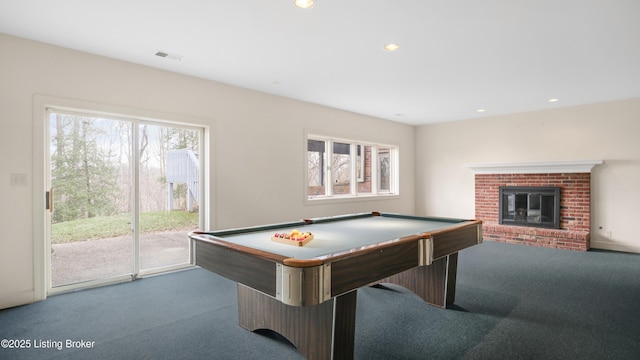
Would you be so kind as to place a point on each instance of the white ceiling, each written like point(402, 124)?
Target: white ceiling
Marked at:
point(456, 56)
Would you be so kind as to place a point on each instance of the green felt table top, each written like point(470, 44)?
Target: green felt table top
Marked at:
point(335, 235)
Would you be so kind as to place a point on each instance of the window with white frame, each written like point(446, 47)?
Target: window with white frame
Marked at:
point(341, 168)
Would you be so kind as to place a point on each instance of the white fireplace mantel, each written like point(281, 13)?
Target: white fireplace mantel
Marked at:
point(547, 167)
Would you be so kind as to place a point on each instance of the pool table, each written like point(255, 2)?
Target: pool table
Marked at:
point(308, 293)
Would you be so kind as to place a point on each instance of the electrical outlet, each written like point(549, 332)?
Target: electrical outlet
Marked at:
point(18, 179)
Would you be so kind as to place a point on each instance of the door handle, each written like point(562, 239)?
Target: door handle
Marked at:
point(49, 200)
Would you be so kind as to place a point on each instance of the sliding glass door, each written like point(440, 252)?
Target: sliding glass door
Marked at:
point(124, 194)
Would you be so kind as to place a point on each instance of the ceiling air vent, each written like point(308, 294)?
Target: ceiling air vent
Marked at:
point(167, 55)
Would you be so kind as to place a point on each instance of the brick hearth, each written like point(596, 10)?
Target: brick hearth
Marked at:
point(575, 205)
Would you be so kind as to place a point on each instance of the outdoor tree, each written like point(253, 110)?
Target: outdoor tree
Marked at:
point(83, 175)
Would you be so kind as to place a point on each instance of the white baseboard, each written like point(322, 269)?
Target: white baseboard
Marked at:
point(616, 246)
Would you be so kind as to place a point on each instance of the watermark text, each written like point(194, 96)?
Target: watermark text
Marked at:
point(47, 344)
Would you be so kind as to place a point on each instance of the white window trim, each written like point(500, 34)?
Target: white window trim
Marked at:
point(375, 194)
point(40, 167)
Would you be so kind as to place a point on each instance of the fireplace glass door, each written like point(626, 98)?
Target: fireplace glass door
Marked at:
point(530, 206)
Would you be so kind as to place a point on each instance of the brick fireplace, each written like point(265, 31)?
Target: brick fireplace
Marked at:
point(574, 181)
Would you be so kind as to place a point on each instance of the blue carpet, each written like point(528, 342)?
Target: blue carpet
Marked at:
point(512, 302)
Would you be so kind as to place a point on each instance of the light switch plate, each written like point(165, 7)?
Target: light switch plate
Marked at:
point(18, 179)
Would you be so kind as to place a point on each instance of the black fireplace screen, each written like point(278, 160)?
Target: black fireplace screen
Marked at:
point(530, 206)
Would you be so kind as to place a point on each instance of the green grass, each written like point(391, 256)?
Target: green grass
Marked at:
point(120, 225)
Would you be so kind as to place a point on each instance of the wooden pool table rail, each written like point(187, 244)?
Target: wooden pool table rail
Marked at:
point(306, 282)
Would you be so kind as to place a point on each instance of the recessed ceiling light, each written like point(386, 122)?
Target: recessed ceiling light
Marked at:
point(304, 4)
point(391, 47)
point(480, 110)
point(553, 100)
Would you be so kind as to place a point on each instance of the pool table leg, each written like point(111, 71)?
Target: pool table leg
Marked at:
point(324, 331)
point(435, 284)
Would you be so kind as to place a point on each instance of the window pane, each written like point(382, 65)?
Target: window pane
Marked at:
point(315, 171)
point(384, 169)
point(364, 169)
point(169, 178)
point(344, 168)
point(91, 225)
point(341, 169)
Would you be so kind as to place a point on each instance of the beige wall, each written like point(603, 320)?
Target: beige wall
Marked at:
point(257, 139)
point(606, 131)
point(255, 135)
